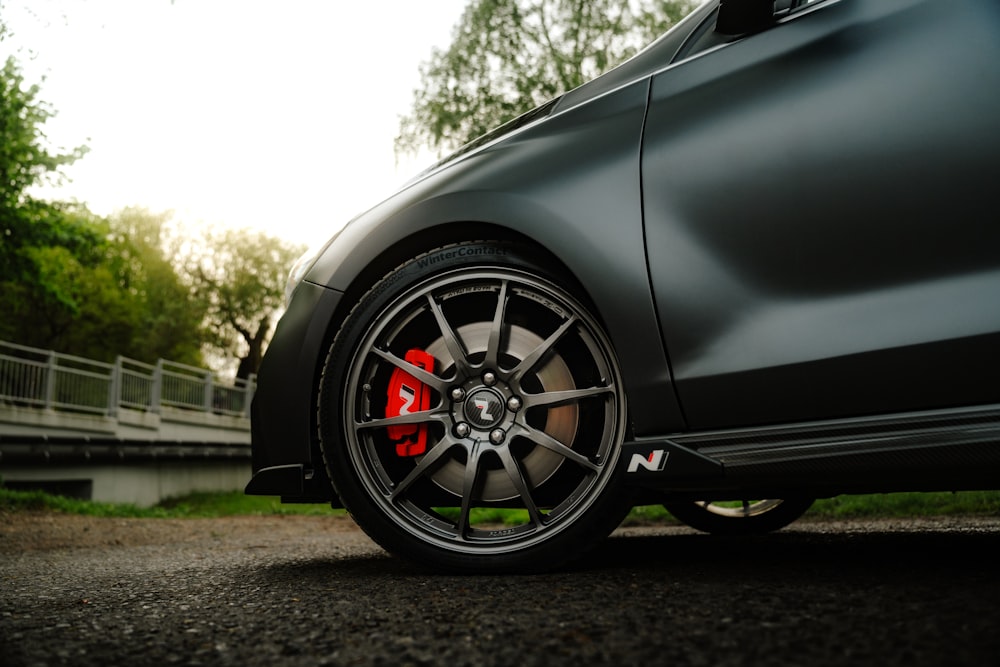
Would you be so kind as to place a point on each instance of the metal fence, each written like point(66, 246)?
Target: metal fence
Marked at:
point(50, 380)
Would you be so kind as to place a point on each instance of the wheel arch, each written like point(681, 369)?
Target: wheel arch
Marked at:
point(425, 240)
point(429, 238)
point(605, 256)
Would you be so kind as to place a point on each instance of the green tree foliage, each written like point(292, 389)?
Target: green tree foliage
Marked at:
point(126, 285)
point(117, 295)
point(144, 257)
point(239, 275)
point(71, 281)
point(65, 298)
point(509, 56)
point(50, 253)
point(25, 161)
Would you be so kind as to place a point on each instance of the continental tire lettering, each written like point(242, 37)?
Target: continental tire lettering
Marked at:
point(476, 251)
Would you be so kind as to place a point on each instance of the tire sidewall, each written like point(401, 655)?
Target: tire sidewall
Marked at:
point(776, 518)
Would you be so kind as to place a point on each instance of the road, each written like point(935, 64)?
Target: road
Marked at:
point(315, 591)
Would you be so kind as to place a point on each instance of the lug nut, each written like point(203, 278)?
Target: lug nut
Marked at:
point(462, 429)
point(497, 436)
point(489, 378)
point(513, 403)
point(457, 394)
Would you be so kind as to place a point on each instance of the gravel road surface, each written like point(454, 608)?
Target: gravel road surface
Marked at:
point(315, 591)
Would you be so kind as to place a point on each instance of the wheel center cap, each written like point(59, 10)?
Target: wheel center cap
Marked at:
point(484, 408)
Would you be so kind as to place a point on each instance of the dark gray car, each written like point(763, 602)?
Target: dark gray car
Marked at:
point(757, 264)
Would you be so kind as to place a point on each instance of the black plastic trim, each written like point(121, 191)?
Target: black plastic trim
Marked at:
point(955, 448)
point(295, 483)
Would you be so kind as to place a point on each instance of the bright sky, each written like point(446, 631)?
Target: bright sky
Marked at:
point(278, 115)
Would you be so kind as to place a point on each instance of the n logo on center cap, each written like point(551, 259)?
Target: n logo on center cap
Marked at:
point(484, 408)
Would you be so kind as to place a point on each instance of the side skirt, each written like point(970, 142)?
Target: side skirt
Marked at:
point(936, 450)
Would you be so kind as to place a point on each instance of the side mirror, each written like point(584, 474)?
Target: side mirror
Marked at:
point(738, 17)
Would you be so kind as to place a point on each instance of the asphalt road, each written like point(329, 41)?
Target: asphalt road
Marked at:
point(308, 591)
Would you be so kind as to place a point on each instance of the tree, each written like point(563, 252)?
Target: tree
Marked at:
point(509, 56)
point(240, 276)
point(49, 251)
point(66, 299)
point(70, 280)
point(25, 161)
point(99, 288)
point(146, 259)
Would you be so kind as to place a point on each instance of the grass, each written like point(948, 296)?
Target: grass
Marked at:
point(195, 505)
point(887, 505)
point(962, 503)
point(969, 503)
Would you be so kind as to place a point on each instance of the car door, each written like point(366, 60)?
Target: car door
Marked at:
point(818, 206)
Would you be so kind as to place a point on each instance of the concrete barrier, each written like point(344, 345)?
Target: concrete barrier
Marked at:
point(125, 432)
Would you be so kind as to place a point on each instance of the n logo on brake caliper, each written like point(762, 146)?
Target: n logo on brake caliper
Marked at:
point(407, 395)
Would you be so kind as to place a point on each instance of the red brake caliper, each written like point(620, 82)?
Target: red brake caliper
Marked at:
point(406, 395)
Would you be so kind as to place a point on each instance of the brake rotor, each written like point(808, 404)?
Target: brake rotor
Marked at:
point(560, 424)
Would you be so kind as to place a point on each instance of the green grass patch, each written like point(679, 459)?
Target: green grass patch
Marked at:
point(968, 503)
point(237, 503)
point(943, 503)
point(648, 515)
point(194, 505)
point(479, 516)
point(38, 501)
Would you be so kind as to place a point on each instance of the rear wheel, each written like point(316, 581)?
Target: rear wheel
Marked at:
point(467, 381)
point(739, 517)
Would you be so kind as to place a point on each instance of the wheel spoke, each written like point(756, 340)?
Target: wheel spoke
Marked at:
point(451, 340)
point(493, 345)
point(521, 484)
point(428, 378)
point(556, 398)
point(422, 417)
point(543, 439)
point(464, 525)
point(426, 465)
point(536, 355)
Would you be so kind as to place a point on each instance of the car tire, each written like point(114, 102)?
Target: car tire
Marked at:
point(746, 517)
point(519, 404)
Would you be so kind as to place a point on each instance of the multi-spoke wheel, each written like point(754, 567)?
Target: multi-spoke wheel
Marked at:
point(739, 517)
point(471, 413)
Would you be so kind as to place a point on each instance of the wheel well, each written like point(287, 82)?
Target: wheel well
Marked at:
point(415, 244)
point(425, 240)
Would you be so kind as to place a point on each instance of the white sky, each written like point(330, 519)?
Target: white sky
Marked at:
point(277, 115)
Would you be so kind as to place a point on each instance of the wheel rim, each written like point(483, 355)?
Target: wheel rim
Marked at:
point(740, 509)
point(525, 410)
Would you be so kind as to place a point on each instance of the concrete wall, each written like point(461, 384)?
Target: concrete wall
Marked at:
point(170, 424)
point(142, 484)
point(131, 457)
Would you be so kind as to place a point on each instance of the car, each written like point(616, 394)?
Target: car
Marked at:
point(755, 265)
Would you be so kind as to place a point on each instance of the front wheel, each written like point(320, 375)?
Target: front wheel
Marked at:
point(739, 517)
point(472, 411)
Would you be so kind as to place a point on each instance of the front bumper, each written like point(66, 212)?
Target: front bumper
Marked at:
point(285, 446)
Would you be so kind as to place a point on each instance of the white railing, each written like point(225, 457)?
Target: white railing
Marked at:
point(49, 380)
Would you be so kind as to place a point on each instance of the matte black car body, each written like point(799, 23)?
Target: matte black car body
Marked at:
point(788, 235)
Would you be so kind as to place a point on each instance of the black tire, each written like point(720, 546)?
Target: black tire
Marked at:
point(746, 517)
point(526, 410)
